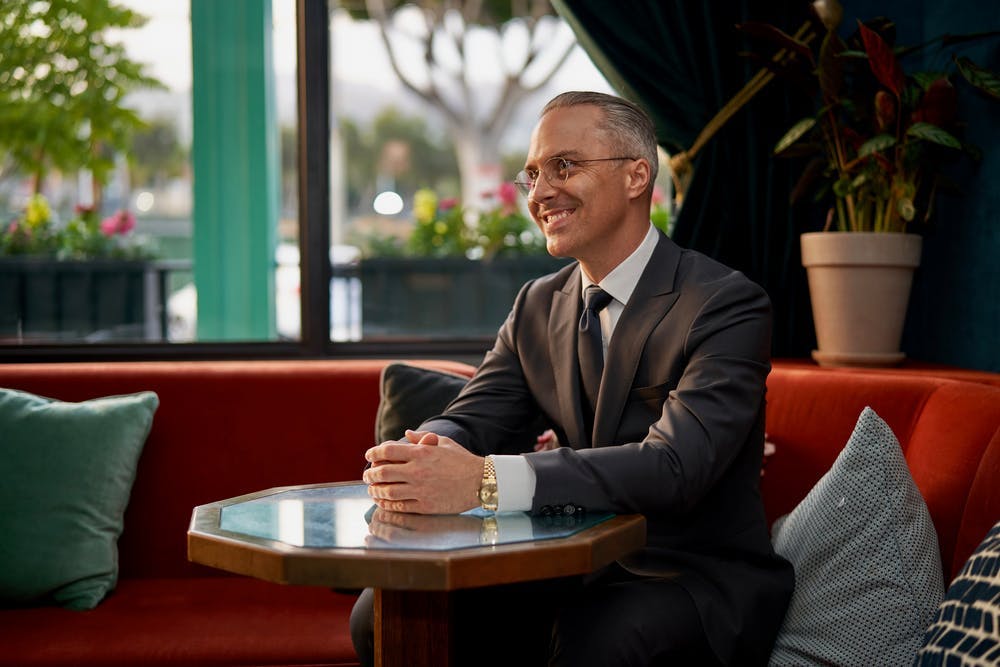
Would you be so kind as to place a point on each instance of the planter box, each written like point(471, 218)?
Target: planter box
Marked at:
point(445, 297)
point(93, 300)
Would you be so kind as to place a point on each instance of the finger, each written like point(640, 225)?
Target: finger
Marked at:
point(391, 451)
point(422, 437)
point(387, 473)
point(408, 505)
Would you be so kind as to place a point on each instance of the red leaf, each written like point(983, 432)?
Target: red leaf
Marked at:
point(882, 60)
point(939, 105)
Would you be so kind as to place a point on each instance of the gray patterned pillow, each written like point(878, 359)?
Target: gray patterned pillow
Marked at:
point(966, 628)
point(867, 566)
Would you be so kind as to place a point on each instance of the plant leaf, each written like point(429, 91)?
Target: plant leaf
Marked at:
point(794, 134)
point(851, 53)
point(934, 134)
point(983, 79)
point(882, 60)
point(925, 79)
point(769, 33)
point(876, 144)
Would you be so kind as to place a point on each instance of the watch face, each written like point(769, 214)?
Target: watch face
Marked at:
point(488, 494)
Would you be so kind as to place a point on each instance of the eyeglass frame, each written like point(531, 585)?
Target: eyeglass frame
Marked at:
point(525, 184)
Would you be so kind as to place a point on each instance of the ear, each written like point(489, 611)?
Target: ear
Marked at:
point(638, 178)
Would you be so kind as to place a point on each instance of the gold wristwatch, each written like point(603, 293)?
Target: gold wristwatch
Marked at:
point(488, 488)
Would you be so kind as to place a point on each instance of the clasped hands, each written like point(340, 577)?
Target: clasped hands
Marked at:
point(426, 473)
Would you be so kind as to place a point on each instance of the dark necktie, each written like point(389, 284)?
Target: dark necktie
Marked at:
point(590, 347)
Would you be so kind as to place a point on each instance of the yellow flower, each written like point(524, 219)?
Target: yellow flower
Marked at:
point(37, 212)
point(424, 205)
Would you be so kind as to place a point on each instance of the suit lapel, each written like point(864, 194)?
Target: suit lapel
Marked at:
point(652, 298)
point(562, 352)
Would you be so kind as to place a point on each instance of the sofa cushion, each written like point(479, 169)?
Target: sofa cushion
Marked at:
point(867, 567)
point(204, 621)
point(966, 627)
point(66, 471)
point(411, 395)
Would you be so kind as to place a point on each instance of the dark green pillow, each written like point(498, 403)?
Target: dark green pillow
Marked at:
point(411, 395)
point(66, 471)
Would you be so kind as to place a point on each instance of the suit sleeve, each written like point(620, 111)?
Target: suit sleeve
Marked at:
point(706, 419)
point(495, 413)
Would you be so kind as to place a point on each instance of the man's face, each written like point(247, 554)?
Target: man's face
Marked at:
point(580, 218)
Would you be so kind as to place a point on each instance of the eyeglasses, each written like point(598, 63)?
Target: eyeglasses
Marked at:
point(556, 171)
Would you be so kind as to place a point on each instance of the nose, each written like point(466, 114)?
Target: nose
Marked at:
point(542, 191)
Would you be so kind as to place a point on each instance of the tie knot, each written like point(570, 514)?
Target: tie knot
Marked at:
point(596, 299)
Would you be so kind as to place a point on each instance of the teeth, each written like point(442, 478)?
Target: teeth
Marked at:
point(555, 217)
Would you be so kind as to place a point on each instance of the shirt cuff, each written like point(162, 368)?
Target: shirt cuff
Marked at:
point(515, 483)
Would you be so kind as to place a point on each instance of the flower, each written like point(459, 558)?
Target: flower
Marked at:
point(444, 228)
point(37, 213)
point(36, 233)
point(439, 226)
point(659, 211)
point(121, 222)
point(881, 135)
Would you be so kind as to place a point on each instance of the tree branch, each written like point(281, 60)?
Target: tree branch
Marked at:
point(376, 9)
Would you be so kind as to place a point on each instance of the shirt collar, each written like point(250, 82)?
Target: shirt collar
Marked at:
point(623, 278)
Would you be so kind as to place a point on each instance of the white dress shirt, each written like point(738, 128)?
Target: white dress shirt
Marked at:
point(515, 476)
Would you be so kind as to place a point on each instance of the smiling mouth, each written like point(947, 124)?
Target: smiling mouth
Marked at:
point(558, 216)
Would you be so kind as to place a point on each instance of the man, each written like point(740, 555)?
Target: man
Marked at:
point(672, 429)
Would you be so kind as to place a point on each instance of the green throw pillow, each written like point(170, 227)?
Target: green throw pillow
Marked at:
point(66, 471)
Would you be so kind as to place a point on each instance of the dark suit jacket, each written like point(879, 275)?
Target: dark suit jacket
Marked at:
point(678, 429)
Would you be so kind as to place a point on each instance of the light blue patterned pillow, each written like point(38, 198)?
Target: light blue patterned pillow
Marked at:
point(867, 567)
point(966, 627)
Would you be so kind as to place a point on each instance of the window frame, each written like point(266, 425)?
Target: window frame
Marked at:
point(313, 111)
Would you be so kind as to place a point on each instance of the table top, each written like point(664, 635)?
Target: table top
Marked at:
point(332, 535)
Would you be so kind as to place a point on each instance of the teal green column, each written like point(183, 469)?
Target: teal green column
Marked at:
point(236, 168)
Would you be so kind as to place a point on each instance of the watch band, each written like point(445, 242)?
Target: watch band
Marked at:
point(488, 494)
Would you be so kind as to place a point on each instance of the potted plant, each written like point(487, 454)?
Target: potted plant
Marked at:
point(880, 139)
point(85, 278)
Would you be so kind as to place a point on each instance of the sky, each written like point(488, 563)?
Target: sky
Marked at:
point(358, 55)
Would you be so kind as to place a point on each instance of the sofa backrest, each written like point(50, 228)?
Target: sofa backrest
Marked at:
point(949, 430)
point(223, 429)
point(226, 428)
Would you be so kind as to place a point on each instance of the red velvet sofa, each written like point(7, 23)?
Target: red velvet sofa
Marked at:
point(232, 427)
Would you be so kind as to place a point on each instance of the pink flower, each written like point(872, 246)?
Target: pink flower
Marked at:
point(507, 194)
point(658, 197)
point(121, 222)
point(447, 204)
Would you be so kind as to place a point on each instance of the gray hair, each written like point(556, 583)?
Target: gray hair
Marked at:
point(631, 131)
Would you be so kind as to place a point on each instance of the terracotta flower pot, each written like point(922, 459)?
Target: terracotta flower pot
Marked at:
point(859, 283)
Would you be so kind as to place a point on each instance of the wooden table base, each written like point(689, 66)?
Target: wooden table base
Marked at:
point(412, 628)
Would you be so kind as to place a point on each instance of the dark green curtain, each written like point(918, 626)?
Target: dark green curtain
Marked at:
point(681, 61)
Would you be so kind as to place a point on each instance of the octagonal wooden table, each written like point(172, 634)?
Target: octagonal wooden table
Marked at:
point(332, 535)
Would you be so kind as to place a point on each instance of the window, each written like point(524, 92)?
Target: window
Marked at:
point(409, 240)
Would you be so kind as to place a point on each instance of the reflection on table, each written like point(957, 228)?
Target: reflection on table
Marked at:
point(343, 517)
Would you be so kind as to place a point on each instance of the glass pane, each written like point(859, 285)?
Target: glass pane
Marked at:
point(433, 118)
point(101, 239)
point(430, 239)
